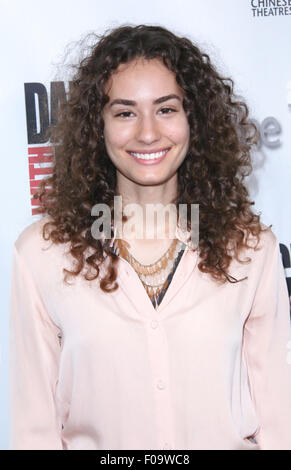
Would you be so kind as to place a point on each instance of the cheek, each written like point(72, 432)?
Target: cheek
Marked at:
point(179, 131)
point(117, 136)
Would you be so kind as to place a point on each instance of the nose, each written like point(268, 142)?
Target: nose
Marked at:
point(148, 130)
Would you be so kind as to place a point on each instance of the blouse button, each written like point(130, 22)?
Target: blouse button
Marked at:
point(161, 385)
point(154, 324)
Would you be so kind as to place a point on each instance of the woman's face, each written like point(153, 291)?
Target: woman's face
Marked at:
point(146, 131)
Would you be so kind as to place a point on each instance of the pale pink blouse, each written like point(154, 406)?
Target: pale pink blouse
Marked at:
point(208, 369)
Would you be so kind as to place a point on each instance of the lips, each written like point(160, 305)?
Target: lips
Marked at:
point(146, 152)
point(149, 155)
point(149, 159)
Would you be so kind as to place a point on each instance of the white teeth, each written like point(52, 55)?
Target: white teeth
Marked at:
point(148, 156)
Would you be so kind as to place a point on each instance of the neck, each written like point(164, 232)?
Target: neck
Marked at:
point(151, 210)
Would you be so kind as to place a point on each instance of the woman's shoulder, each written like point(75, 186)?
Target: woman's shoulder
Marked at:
point(262, 252)
point(266, 240)
point(36, 252)
point(30, 243)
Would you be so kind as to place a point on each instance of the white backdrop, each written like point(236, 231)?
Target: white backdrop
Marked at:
point(250, 44)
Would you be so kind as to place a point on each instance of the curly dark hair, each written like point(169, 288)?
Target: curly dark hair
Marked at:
point(212, 175)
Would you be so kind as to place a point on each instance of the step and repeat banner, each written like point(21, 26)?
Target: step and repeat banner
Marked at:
point(248, 40)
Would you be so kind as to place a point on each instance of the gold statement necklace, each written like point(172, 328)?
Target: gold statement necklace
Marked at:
point(153, 276)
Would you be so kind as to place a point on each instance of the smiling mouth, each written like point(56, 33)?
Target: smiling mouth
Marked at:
point(149, 156)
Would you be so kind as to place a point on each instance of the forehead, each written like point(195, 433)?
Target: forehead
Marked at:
point(142, 76)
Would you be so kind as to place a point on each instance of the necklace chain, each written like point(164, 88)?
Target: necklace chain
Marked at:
point(151, 274)
point(147, 268)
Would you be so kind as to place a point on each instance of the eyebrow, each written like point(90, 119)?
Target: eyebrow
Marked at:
point(157, 101)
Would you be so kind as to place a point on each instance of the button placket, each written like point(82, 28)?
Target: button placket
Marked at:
point(159, 360)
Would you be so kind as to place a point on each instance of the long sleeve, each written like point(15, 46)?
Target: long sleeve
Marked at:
point(34, 352)
point(266, 341)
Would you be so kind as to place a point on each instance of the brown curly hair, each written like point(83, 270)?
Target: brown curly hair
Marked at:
point(218, 158)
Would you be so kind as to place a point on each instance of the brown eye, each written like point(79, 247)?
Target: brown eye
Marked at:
point(124, 114)
point(168, 110)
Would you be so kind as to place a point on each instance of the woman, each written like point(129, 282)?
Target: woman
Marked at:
point(154, 343)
